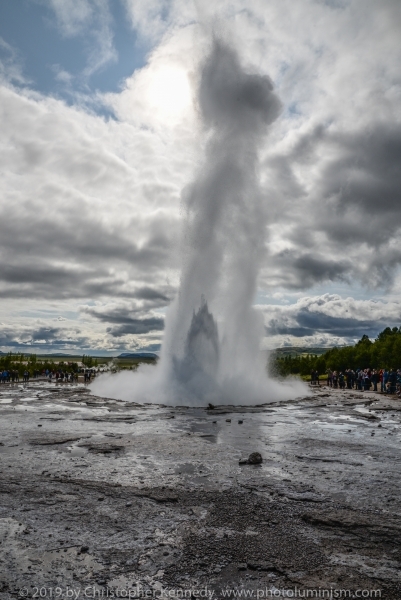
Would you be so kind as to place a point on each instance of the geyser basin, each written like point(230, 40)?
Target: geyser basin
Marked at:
point(157, 494)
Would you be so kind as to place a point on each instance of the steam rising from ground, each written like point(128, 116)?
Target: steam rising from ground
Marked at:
point(213, 355)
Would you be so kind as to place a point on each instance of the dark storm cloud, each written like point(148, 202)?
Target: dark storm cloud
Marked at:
point(29, 336)
point(361, 185)
point(332, 315)
point(136, 327)
point(345, 223)
point(85, 238)
point(123, 317)
point(89, 285)
point(129, 318)
point(44, 338)
point(309, 323)
point(68, 259)
point(314, 268)
point(46, 333)
point(297, 270)
point(37, 273)
point(55, 282)
point(147, 293)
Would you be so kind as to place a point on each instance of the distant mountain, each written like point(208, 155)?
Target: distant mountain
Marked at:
point(61, 355)
point(137, 355)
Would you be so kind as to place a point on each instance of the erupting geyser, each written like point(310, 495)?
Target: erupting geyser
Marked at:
point(211, 347)
point(198, 370)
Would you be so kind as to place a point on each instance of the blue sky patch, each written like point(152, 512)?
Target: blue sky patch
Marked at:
point(56, 64)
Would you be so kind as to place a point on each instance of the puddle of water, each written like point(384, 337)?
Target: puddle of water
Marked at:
point(25, 408)
point(209, 437)
point(188, 468)
point(75, 450)
point(340, 426)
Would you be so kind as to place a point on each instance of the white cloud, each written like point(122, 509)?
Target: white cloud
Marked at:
point(148, 18)
point(62, 75)
point(92, 19)
point(72, 17)
point(11, 64)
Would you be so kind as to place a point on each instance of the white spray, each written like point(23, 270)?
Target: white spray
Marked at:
point(212, 339)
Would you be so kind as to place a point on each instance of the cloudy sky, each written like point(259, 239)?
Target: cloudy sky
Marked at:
point(100, 135)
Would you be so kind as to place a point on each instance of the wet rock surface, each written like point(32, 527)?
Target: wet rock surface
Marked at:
point(109, 495)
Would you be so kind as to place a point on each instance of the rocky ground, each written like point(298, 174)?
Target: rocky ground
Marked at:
point(100, 497)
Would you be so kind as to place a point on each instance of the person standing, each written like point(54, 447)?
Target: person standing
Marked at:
point(393, 381)
point(360, 379)
point(329, 378)
point(375, 379)
point(366, 380)
point(385, 379)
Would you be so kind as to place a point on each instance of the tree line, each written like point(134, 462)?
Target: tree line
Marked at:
point(383, 352)
point(21, 362)
point(89, 361)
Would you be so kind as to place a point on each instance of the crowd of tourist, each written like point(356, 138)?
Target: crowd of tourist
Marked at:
point(59, 376)
point(10, 376)
point(389, 380)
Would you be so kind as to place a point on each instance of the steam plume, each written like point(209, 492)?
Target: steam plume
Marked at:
point(212, 338)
